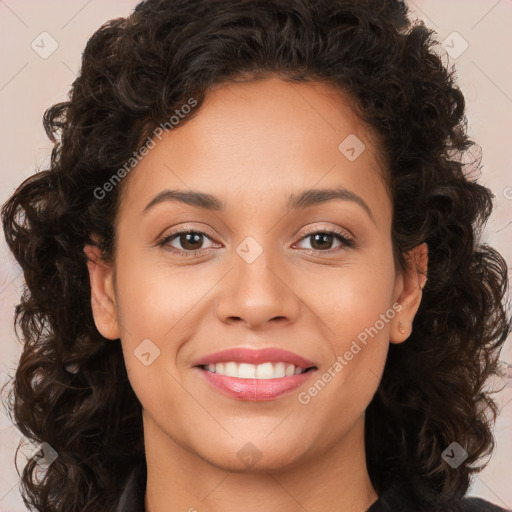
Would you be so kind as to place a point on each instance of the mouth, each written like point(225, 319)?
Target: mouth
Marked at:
point(248, 382)
point(264, 371)
point(244, 373)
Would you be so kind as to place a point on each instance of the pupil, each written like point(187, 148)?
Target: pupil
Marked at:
point(320, 236)
point(187, 236)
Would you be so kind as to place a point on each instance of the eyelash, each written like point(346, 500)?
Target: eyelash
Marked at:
point(346, 241)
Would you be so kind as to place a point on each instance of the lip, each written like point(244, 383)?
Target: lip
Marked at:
point(255, 389)
point(255, 356)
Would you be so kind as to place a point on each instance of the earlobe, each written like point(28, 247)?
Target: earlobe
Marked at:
point(103, 302)
point(413, 282)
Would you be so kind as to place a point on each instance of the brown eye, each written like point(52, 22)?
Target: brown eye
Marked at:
point(189, 242)
point(322, 241)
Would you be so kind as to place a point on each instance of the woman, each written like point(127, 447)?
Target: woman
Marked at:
point(227, 300)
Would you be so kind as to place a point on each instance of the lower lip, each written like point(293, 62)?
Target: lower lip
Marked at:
point(255, 389)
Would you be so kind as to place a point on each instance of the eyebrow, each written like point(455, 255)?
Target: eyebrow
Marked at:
point(301, 200)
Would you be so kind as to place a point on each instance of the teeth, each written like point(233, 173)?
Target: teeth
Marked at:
point(264, 371)
point(251, 371)
point(245, 371)
point(231, 370)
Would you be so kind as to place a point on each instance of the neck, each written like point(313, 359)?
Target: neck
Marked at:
point(335, 479)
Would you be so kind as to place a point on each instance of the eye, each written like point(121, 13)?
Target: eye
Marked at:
point(323, 240)
point(190, 241)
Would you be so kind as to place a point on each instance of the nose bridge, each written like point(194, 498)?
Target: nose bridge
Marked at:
point(254, 277)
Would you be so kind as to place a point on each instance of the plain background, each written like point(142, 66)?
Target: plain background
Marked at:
point(30, 83)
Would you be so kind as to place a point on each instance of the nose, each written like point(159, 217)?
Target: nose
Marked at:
point(258, 291)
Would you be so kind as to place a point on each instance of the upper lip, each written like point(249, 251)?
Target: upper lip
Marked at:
point(255, 356)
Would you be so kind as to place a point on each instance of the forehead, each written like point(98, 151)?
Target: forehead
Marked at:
point(262, 136)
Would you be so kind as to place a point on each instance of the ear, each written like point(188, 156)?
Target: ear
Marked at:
point(408, 293)
point(103, 301)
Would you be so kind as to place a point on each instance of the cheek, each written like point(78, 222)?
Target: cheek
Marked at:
point(154, 300)
point(159, 309)
point(355, 308)
point(153, 313)
point(352, 298)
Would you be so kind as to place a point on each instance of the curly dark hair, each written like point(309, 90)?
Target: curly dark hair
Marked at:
point(71, 388)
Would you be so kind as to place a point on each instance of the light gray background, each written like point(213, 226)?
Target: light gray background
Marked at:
point(29, 84)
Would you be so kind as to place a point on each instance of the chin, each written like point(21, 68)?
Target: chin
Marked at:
point(248, 458)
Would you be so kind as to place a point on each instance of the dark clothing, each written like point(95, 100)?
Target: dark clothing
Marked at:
point(132, 497)
point(399, 499)
point(394, 499)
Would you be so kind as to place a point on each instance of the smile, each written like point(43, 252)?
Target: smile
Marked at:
point(260, 388)
point(250, 371)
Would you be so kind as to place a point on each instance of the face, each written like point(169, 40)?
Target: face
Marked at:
point(255, 269)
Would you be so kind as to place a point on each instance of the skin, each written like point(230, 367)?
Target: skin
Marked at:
point(251, 145)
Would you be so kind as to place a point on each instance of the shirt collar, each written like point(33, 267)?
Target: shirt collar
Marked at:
point(132, 497)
